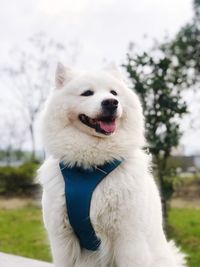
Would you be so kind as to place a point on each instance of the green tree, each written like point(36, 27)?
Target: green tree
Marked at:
point(185, 48)
point(157, 80)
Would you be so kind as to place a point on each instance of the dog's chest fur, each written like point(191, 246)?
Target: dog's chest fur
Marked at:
point(111, 201)
point(109, 204)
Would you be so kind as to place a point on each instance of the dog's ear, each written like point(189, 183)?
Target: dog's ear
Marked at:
point(63, 75)
point(114, 71)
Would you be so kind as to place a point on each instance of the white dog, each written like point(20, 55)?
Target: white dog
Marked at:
point(92, 119)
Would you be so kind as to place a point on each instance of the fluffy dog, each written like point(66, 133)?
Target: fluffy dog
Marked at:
point(91, 119)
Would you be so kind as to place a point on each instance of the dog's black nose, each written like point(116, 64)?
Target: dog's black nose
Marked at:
point(110, 104)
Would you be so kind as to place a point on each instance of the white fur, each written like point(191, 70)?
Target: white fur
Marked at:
point(125, 207)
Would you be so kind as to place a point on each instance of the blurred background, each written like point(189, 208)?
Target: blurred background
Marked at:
point(157, 46)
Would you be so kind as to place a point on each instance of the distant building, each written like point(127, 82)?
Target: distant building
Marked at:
point(196, 159)
point(178, 151)
point(185, 163)
point(190, 164)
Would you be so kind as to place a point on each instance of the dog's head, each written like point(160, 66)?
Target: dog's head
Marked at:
point(91, 118)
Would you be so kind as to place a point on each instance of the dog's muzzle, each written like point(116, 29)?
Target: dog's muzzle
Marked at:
point(105, 123)
point(109, 106)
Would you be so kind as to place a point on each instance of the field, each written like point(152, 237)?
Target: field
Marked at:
point(22, 232)
point(185, 229)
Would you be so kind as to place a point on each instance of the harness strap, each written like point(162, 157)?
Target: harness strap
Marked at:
point(79, 187)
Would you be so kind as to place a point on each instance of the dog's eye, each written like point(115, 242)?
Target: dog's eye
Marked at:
point(113, 92)
point(87, 93)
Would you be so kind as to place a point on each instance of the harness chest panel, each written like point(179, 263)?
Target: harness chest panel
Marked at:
point(79, 187)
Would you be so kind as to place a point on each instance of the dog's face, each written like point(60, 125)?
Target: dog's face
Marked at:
point(92, 102)
point(91, 112)
point(99, 111)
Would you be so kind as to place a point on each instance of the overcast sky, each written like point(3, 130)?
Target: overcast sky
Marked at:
point(103, 28)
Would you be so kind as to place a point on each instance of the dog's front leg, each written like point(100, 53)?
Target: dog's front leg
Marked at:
point(63, 251)
point(132, 252)
point(64, 245)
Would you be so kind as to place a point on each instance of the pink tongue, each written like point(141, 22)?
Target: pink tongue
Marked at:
point(108, 127)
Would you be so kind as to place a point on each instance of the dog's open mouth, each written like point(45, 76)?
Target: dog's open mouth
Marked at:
point(104, 125)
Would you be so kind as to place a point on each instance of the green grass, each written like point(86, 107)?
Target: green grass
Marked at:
point(22, 233)
point(185, 229)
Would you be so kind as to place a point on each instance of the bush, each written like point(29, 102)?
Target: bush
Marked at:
point(14, 180)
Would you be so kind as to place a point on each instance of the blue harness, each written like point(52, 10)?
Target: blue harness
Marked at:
point(79, 186)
